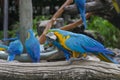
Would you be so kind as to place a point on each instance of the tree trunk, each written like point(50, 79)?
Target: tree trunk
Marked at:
point(26, 15)
point(78, 70)
point(5, 24)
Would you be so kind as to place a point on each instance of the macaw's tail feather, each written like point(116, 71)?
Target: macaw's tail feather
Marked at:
point(82, 10)
point(3, 47)
point(11, 57)
point(108, 52)
point(107, 58)
point(102, 53)
point(83, 16)
point(116, 6)
point(99, 50)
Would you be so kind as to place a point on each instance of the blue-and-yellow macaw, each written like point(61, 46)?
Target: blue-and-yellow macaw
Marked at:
point(116, 6)
point(55, 43)
point(80, 43)
point(14, 48)
point(32, 46)
point(81, 8)
point(4, 47)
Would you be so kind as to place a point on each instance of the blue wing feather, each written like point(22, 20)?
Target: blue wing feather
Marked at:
point(36, 51)
point(33, 47)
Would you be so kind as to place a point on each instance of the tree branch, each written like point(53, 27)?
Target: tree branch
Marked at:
point(78, 70)
point(75, 24)
point(50, 23)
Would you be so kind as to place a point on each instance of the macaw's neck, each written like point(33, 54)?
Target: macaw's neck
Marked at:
point(59, 36)
point(62, 39)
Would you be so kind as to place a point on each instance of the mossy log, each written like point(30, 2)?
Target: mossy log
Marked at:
point(78, 70)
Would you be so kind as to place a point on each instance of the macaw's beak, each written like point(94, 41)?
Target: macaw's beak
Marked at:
point(11, 57)
point(51, 35)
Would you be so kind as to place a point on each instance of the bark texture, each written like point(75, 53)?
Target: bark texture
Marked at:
point(78, 70)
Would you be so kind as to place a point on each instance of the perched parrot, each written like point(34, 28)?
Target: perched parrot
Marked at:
point(14, 48)
point(32, 46)
point(116, 6)
point(57, 44)
point(80, 43)
point(81, 8)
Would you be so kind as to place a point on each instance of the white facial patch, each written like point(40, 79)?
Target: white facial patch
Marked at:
point(51, 35)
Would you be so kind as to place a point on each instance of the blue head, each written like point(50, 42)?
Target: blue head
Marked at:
point(30, 34)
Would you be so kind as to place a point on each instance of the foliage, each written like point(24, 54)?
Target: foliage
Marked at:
point(110, 33)
point(15, 27)
point(36, 21)
point(1, 34)
point(12, 32)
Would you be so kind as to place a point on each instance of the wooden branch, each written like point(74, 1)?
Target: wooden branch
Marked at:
point(78, 70)
point(55, 16)
point(73, 25)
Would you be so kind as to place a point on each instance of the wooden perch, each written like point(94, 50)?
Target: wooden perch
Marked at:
point(78, 70)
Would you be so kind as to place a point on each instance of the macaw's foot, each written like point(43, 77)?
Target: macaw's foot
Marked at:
point(75, 54)
point(71, 60)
